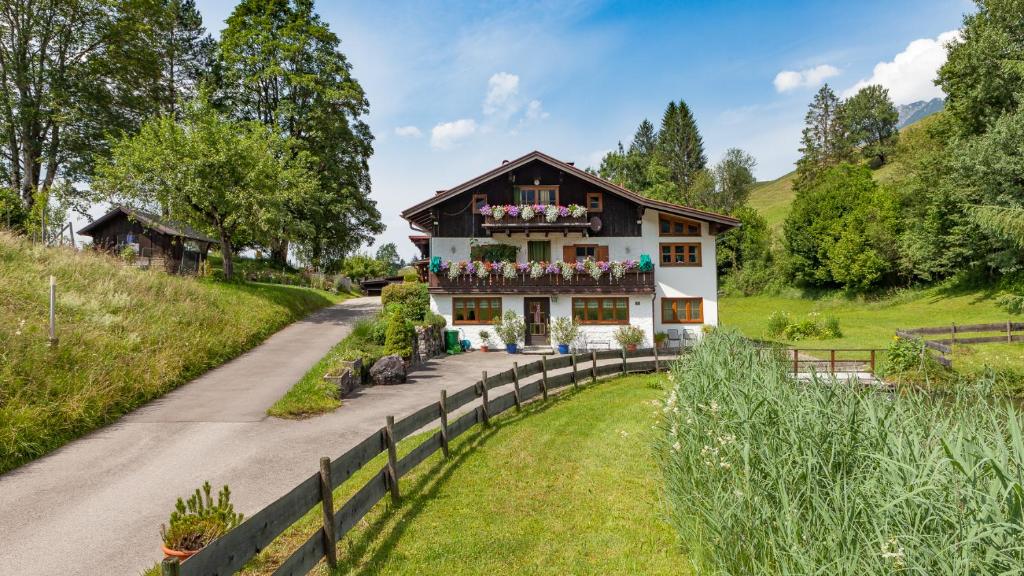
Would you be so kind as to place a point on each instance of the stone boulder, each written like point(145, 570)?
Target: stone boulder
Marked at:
point(388, 370)
point(347, 378)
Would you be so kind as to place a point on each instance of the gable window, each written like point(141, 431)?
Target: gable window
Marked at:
point(536, 195)
point(601, 310)
point(681, 254)
point(478, 201)
point(682, 310)
point(475, 310)
point(671, 226)
point(595, 202)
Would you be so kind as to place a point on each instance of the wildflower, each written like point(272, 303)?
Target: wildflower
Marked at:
point(738, 493)
point(21, 324)
point(892, 550)
point(725, 465)
point(676, 447)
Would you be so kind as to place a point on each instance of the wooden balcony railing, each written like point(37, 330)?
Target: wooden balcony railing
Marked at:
point(633, 282)
point(538, 222)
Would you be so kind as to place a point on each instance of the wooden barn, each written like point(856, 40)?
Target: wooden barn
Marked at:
point(157, 242)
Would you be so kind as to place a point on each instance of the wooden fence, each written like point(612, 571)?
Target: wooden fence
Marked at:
point(945, 345)
point(822, 360)
point(230, 553)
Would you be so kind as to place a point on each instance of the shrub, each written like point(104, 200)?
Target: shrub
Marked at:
point(198, 521)
point(485, 338)
point(564, 330)
point(128, 255)
point(410, 276)
point(379, 331)
point(765, 475)
point(399, 338)
point(830, 328)
point(494, 252)
point(629, 335)
point(510, 327)
point(806, 328)
point(434, 319)
point(777, 322)
point(412, 297)
point(1012, 303)
point(781, 324)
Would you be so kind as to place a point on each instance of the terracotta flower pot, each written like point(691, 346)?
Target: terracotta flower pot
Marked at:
point(631, 347)
point(181, 555)
point(484, 348)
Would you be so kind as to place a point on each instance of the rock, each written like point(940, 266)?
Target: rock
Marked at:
point(388, 370)
point(347, 378)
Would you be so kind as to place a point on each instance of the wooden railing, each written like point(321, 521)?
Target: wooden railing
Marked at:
point(538, 222)
point(1007, 333)
point(633, 281)
point(833, 360)
point(231, 552)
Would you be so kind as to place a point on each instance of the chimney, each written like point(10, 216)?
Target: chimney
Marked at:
point(503, 162)
point(571, 163)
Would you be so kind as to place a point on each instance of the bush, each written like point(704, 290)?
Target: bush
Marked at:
point(777, 322)
point(629, 335)
point(1012, 303)
point(510, 327)
point(378, 331)
point(434, 319)
point(564, 330)
point(412, 297)
point(780, 324)
point(399, 338)
point(197, 522)
point(765, 475)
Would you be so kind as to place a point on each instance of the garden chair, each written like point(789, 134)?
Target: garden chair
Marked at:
point(673, 338)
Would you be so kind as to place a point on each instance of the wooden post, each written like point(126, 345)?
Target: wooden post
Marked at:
point(53, 311)
point(623, 360)
point(575, 384)
point(327, 500)
point(872, 361)
point(170, 567)
point(544, 376)
point(389, 433)
point(444, 423)
point(832, 361)
point(515, 386)
point(796, 361)
point(1009, 336)
point(483, 392)
point(952, 339)
point(657, 367)
point(593, 366)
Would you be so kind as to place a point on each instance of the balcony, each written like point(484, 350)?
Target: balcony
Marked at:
point(632, 282)
point(538, 223)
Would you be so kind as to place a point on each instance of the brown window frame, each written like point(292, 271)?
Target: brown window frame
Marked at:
point(519, 188)
point(600, 201)
point(475, 300)
point(686, 303)
point(685, 246)
point(576, 256)
point(675, 220)
point(476, 209)
point(600, 310)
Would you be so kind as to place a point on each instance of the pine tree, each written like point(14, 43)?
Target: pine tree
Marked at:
point(825, 141)
point(680, 148)
point(645, 140)
point(185, 50)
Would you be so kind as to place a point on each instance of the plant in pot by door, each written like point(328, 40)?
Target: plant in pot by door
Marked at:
point(629, 337)
point(198, 521)
point(485, 341)
point(511, 328)
point(565, 331)
point(660, 338)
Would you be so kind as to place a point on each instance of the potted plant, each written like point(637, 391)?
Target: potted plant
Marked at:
point(511, 328)
point(197, 522)
point(485, 341)
point(565, 331)
point(660, 338)
point(629, 337)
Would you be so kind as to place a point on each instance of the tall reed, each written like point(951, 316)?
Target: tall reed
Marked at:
point(766, 475)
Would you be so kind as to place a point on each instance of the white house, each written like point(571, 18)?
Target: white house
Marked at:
point(590, 250)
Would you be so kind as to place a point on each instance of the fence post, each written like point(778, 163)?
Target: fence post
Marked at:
point(53, 311)
point(327, 501)
point(1009, 336)
point(872, 361)
point(444, 423)
point(656, 366)
point(389, 432)
point(832, 361)
point(487, 408)
point(623, 360)
point(796, 361)
point(515, 386)
point(544, 376)
point(952, 339)
point(170, 567)
point(575, 384)
point(593, 366)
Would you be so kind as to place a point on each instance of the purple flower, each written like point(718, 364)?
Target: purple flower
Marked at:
point(512, 210)
point(630, 264)
point(580, 266)
point(552, 268)
point(522, 266)
point(445, 265)
point(603, 266)
point(470, 268)
point(563, 211)
point(538, 208)
point(485, 209)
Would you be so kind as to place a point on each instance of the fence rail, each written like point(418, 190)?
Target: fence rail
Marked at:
point(945, 345)
point(231, 552)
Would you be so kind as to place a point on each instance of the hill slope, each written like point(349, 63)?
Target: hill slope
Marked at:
point(126, 336)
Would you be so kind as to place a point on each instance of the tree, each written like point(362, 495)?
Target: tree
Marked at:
point(680, 148)
point(983, 75)
point(71, 74)
point(388, 254)
point(645, 140)
point(231, 177)
point(186, 53)
point(824, 142)
point(744, 253)
point(734, 177)
point(282, 66)
point(871, 120)
point(361, 266)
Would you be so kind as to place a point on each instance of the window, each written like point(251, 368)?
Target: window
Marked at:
point(536, 195)
point(475, 310)
point(584, 251)
point(580, 252)
point(478, 201)
point(685, 254)
point(601, 310)
point(669, 226)
point(682, 310)
point(538, 251)
point(595, 202)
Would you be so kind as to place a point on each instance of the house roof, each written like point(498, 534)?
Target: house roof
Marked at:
point(420, 215)
point(151, 221)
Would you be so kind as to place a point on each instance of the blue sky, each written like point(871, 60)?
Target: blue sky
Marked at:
point(455, 88)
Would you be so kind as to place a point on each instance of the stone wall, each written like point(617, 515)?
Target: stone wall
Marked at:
point(429, 343)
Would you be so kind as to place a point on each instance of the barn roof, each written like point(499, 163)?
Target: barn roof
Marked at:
point(149, 220)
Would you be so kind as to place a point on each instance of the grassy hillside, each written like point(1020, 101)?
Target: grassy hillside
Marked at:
point(126, 336)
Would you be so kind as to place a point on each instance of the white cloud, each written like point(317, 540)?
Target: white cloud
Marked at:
point(502, 95)
point(448, 134)
point(408, 131)
point(809, 77)
point(909, 76)
point(535, 111)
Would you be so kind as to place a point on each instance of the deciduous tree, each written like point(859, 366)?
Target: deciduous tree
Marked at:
point(871, 120)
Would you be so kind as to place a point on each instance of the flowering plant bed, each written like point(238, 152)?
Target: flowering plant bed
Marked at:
point(614, 270)
point(529, 212)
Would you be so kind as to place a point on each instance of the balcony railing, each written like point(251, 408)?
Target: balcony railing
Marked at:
point(537, 223)
point(633, 281)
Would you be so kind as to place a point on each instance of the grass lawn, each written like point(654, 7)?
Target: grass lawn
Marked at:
point(568, 487)
point(126, 336)
point(872, 323)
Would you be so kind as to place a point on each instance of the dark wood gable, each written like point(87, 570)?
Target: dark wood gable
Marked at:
point(455, 216)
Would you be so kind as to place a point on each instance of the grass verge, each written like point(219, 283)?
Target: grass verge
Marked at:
point(567, 487)
point(126, 336)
